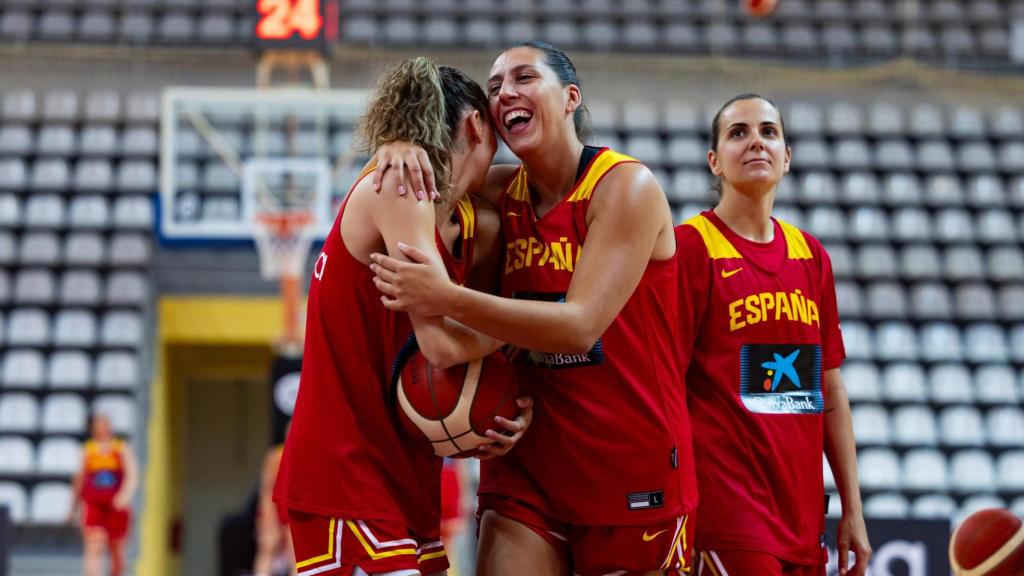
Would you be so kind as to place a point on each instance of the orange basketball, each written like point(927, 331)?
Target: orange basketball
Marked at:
point(988, 543)
point(453, 408)
point(759, 8)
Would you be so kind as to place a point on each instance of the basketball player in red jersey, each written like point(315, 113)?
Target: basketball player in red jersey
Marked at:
point(363, 497)
point(604, 481)
point(764, 389)
point(105, 487)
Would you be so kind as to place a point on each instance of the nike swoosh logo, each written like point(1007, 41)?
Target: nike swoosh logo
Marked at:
point(512, 214)
point(649, 537)
point(730, 272)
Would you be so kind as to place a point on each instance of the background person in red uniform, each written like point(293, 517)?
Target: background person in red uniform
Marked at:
point(104, 487)
point(604, 481)
point(363, 497)
point(764, 388)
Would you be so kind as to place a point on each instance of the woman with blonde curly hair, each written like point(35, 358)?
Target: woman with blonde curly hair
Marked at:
point(360, 497)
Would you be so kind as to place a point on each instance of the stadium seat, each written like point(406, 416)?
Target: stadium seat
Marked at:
point(1011, 308)
point(84, 249)
point(1011, 157)
point(1010, 471)
point(216, 29)
point(811, 154)
point(34, 287)
point(930, 301)
point(976, 157)
point(127, 288)
point(80, 287)
point(954, 225)
point(13, 174)
point(985, 342)
point(972, 471)
point(10, 210)
point(995, 226)
point(49, 175)
point(920, 262)
point(871, 425)
point(75, 327)
point(17, 456)
point(914, 425)
point(860, 188)
point(44, 211)
point(963, 263)
point(103, 107)
point(877, 261)
point(925, 469)
point(961, 426)
point(7, 249)
point(862, 381)
point(99, 140)
point(647, 149)
point(69, 369)
point(885, 120)
point(136, 176)
point(60, 106)
point(1006, 264)
point(117, 370)
point(142, 108)
point(129, 250)
point(56, 140)
point(933, 507)
point(895, 341)
point(50, 502)
point(64, 413)
point(986, 190)
point(15, 500)
point(93, 175)
point(89, 212)
point(97, 26)
point(845, 119)
point(817, 188)
point(996, 384)
point(944, 190)
point(39, 248)
point(19, 412)
point(857, 340)
point(1017, 344)
point(879, 469)
point(119, 409)
point(889, 505)
point(28, 327)
point(1006, 427)
point(59, 456)
point(967, 123)
point(904, 382)
point(805, 119)
point(133, 212)
point(121, 329)
point(16, 25)
point(951, 383)
point(912, 225)
point(842, 259)
point(975, 301)
point(18, 106)
point(886, 300)
point(894, 154)
point(16, 140)
point(22, 368)
point(850, 300)
point(977, 502)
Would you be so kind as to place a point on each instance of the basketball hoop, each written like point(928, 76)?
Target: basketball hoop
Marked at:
point(282, 240)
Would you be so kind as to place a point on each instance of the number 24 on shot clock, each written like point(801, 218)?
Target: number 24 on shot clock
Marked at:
point(296, 22)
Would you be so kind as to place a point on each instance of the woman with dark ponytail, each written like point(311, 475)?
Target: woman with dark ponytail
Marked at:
point(761, 329)
point(360, 498)
point(604, 481)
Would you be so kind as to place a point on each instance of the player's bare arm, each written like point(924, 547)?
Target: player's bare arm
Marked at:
point(629, 225)
point(403, 166)
point(842, 458)
point(123, 498)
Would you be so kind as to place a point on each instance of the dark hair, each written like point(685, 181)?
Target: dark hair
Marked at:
point(566, 72)
point(420, 102)
point(716, 129)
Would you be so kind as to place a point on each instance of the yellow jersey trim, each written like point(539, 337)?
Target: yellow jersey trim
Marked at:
point(468, 212)
point(430, 556)
point(369, 549)
point(599, 166)
point(322, 557)
point(717, 244)
point(519, 188)
point(796, 243)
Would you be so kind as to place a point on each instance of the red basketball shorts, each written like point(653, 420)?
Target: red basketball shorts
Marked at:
point(103, 515)
point(743, 562)
point(337, 547)
point(599, 550)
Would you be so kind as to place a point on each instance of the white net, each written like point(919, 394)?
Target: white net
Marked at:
point(282, 240)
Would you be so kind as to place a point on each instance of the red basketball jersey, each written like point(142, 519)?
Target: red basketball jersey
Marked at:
point(762, 319)
point(610, 439)
point(104, 471)
point(346, 455)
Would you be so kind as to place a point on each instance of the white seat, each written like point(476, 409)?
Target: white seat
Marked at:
point(914, 425)
point(996, 384)
point(50, 502)
point(975, 503)
point(119, 408)
point(1006, 426)
point(28, 327)
point(862, 381)
point(121, 329)
point(35, 287)
point(818, 187)
point(941, 341)
point(905, 382)
point(951, 384)
point(84, 248)
point(931, 301)
point(69, 369)
point(961, 426)
point(80, 287)
point(896, 341)
point(985, 342)
point(129, 249)
point(16, 455)
point(889, 505)
point(972, 471)
point(89, 212)
point(14, 498)
point(871, 425)
point(75, 328)
point(933, 506)
point(879, 469)
point(58, 455)
point(133, 212)
point(64, 413)
point(857, 340)
point(868, 223)
point(876, 261)
point(19, 412)
point(23, 368)
point(40, 248)
point(117, 370)
point(925, 469)
point(1010, 471)
point(44, 211)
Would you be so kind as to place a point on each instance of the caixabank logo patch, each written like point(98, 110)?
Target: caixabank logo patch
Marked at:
point(781, 378)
